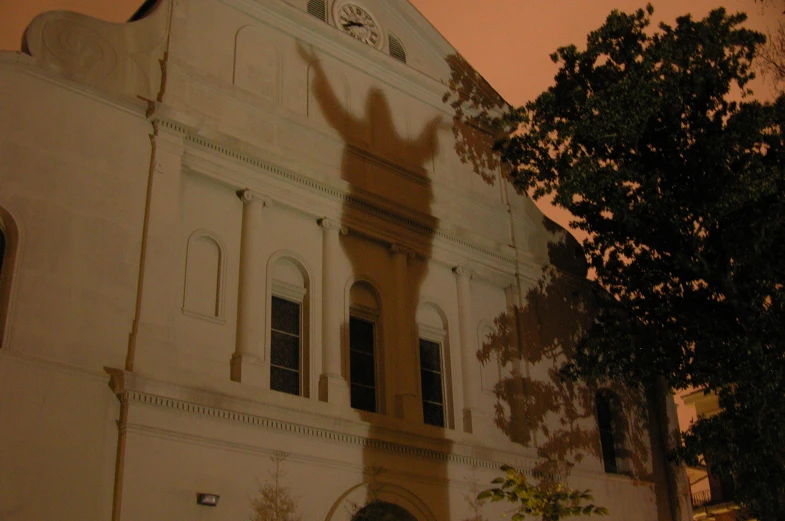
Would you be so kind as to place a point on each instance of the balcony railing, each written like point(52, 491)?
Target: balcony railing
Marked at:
point(701, 498)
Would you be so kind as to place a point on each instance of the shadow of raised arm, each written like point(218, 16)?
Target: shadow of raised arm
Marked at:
point(333, 109)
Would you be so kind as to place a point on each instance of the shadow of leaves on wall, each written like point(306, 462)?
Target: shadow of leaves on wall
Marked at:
point(478, 111)
point(536, 405)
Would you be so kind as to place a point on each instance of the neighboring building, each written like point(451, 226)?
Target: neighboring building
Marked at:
point(712, 497)
point(230, 229)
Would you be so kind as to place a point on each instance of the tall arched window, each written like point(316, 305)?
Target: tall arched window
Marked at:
point(612, 427)
point(434, 365)
point(364, 357)
point(289, 323)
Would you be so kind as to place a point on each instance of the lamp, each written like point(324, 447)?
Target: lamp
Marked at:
point(208, 500)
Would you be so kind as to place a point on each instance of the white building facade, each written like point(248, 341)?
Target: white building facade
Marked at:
point(240, 228)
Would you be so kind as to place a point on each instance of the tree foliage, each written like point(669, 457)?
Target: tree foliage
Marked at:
point(772, 62)
point(549, 499)
point(680, 190)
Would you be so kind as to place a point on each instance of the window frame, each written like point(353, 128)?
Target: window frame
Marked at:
point(290, 294)
point(372, 316)
point(437, 336)
point(615, 433)
point(298, 294)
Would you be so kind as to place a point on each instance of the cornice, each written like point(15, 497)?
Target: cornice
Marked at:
point(420, 447)
point(446, 449)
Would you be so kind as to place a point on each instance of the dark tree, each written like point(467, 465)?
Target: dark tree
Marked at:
point(681, 192)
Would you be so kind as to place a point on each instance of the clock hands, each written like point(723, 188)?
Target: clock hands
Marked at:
point(352, 23)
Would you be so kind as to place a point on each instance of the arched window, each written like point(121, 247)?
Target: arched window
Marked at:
point(382, 511)
point(612, 427)
point(432, 334)
point(289, 359)
point(396, 48)
point(363, 347)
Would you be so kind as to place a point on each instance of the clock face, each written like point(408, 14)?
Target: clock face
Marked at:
point(357, 22)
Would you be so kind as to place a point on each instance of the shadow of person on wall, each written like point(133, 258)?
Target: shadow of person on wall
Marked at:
point(387, 214)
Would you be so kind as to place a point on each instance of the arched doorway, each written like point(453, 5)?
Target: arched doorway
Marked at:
point(382, 511)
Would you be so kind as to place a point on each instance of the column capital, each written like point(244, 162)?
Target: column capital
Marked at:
point(332, 224)
point(396, 249)
point(464, 271)
point(249, 196)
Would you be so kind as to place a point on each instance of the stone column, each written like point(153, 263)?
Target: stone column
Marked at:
point(248, 363)
point(403, 344)
point(333, 387)
point(469, 362)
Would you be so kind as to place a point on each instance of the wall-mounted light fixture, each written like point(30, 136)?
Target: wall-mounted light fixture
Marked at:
point(208, 500)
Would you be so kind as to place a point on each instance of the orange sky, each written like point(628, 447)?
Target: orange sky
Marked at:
point(507, 41)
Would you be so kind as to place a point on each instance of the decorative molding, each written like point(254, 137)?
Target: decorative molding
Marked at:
point(464, 271)
point(397, 249)
point(119, 59)
point(331, 224)
point(249, 196)
point(288, 291)
point(303, 430)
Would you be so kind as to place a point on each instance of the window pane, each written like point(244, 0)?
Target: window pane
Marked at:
point(605, 414)
point(285, 316)
point(361, 369)
point(361, 335)
point(433, 414)
point(284, 380)
point(285, 346)
point(431, 386)
point(363, 398)
point(429, 355)
point(431, 380)
point(285, 350)
point(362, 364)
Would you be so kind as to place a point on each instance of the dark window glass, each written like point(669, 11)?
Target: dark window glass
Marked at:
point(285, 346)
point(432, 383)
point(605, 424)
point(362, 364)
point(286, 316)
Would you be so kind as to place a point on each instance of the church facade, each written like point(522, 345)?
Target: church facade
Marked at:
point(245, 247)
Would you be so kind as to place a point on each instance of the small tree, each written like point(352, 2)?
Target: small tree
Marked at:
point(473, 500)
point(549, 499)
point(275, 501)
